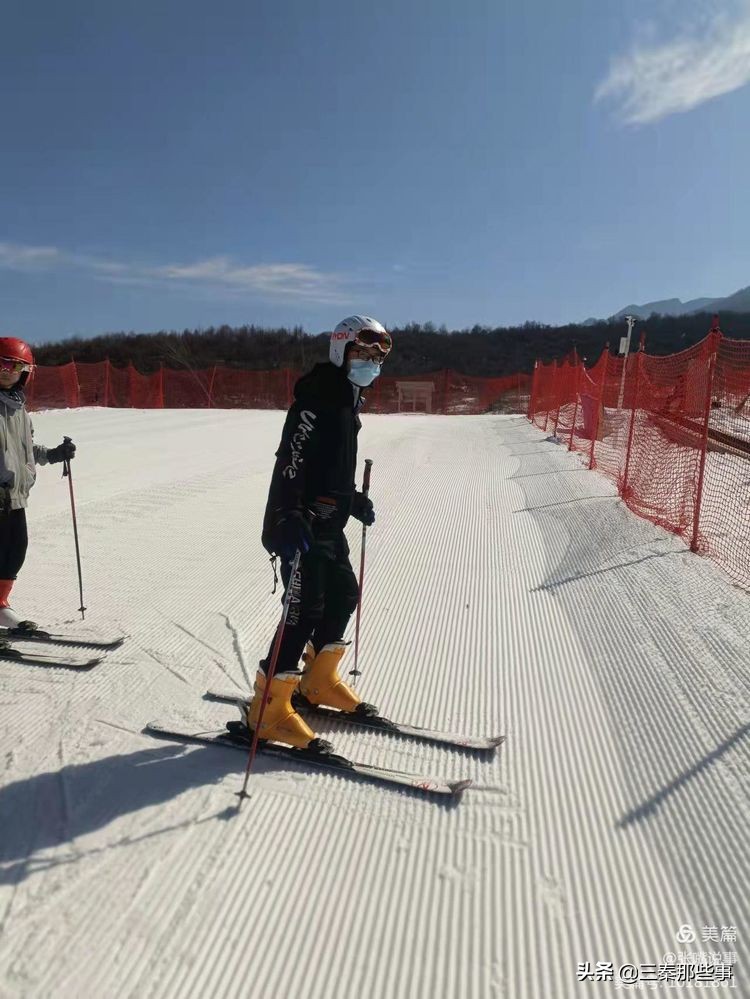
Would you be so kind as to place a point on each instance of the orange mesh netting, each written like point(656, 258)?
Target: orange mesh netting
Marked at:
point(672, 432)
point(53, 388)
point(725, 501)
point(102, 384)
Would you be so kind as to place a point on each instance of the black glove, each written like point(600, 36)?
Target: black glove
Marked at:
point(293, 531)
point(63, 452)
point(362, 509)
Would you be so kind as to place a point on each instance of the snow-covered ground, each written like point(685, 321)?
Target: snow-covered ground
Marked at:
point(507, 590)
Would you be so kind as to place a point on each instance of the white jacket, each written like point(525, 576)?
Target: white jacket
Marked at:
point(19, 455)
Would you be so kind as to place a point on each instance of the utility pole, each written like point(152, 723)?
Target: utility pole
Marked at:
point(624, 351)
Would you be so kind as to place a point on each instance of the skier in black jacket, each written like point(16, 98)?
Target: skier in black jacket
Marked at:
point(312, 496)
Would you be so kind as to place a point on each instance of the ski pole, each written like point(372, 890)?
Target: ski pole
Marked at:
point(365, 492)
point(271, 671)
point(67, 472)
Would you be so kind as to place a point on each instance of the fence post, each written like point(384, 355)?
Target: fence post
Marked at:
point(161, 385)
point(211, 387)
point(532, 393)
point(714, 338)
point(624, 488)
point(560, 387)
point(604, 360)
point(76, 386)
point(579, 368)
point(106, 381)
point(549, 393)
point(288, 385)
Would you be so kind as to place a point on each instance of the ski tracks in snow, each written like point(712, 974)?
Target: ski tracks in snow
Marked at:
point(507, 590)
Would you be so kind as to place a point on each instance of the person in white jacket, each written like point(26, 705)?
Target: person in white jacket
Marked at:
point(19, 456)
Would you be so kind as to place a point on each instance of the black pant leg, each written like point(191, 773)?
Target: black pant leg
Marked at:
point(305, 608)
point(341, 596)
point(14, 541)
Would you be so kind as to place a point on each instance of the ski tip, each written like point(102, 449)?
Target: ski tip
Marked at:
point(90, 663)
point(56, 662)
point(106, 644)
point(440, 786)
point(159, 731)
point(224, 697)
point(479, 744)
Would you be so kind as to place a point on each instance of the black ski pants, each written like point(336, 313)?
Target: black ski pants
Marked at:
point(14, 541)
point(324, 597)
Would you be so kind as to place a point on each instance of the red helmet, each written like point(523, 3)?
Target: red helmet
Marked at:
point(17, 350)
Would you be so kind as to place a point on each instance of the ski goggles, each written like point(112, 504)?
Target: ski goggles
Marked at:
point(13, 364)
point(373, 339)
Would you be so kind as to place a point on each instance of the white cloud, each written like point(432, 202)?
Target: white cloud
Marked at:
point(218, 274)
point(710, 58)
point(286, 280)
point(23, 258)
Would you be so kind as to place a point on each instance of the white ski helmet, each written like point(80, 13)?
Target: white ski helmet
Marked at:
point(358, 329)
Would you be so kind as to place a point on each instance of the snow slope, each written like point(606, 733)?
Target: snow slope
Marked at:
point(508, 590)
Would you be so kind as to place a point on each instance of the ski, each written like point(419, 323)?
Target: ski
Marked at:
point(90, 640)
point(323, 761)
point(10, 654)
point(474, 742)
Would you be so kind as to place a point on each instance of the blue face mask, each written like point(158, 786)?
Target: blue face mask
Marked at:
point(363, 372)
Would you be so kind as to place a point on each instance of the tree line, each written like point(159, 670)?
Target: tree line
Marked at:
point(418, 347)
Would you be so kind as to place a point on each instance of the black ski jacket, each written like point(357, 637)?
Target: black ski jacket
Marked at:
point(317, 457)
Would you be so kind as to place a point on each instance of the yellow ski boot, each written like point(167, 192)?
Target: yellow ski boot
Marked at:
point(322, 686)
point(281, 723)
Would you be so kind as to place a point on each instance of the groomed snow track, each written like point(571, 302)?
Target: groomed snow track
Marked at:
point(508, 591)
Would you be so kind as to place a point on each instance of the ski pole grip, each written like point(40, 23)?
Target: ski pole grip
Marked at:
point(66, 463)
point(366, 477)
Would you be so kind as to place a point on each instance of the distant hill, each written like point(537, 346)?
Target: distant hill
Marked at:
point(738, 302)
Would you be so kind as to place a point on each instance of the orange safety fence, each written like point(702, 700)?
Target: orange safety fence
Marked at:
point(672, 432)
point(102, 384)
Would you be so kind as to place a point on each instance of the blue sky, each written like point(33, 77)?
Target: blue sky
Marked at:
point(172, 163)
